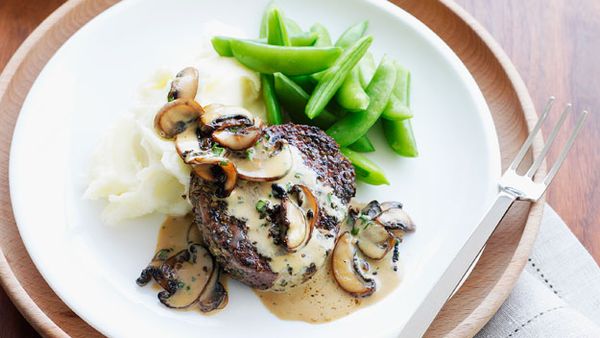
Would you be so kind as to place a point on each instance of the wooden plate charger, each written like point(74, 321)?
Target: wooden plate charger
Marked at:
point(464, 315)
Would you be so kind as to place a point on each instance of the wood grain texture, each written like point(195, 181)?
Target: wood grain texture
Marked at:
point(554, 45)
point(501, 263)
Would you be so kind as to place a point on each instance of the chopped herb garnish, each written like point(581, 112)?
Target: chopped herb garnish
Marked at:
point(223, 163)
point(170, 97)
point(163, 254)
point(180, 285)
point(193, 279)
point(354, 231)
point(298, 175)
point(217, 150)
point(261, 206)
point(330, 198)
point(250, 154)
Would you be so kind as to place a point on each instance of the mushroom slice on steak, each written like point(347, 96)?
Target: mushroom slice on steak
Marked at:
point(265, 161)
point(374, 241)
point(396, 220)
point(214, 295)
point(215, 169)
point(218, 116)
point(176, 116)
point(188, 278)
point(295, 228)
point(347, 268)
point(237, 138)
point(307, 201)
point(184, 85)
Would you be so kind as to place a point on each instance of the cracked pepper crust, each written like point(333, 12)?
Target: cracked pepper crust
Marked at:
point(226, 235)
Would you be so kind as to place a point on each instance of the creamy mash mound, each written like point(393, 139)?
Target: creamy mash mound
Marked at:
point(139, 173)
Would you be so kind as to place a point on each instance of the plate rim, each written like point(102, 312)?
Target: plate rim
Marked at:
point(21, 59)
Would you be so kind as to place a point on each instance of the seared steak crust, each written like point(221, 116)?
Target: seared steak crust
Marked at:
point(226, 236)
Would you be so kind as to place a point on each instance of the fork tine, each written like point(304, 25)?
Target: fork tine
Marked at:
point(529, 140)
point(566, 149)
point(538, 161)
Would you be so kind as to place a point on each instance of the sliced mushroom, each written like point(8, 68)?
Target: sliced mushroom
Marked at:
point(172, 239)
point(347, 268)
point(187, 143)
point(269, 162)
point(374, 241)
point(218, 116)
point(176, 116)
point(307, 201)
point(184, 85)
point(237, 138)
point(188, 278)
point(216, 169)
point(371, 210)
point(296, 228)
point(214, 295)
point(396, 220)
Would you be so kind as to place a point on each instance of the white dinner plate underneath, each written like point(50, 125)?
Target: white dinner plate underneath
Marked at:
point(92, 80)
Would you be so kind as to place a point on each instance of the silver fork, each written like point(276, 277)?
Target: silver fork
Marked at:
point(512, 187)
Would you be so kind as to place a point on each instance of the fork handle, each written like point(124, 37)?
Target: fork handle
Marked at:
point(442, 290)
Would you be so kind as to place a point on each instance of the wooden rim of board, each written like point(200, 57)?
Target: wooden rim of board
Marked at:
point(463, 315)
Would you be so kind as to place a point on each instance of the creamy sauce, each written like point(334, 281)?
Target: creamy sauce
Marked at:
point(174, 235)
point(321, 300)
point(291, 267)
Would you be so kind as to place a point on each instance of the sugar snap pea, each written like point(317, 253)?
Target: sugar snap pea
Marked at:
point(273, 109)
point(366, 69)
point(276, 30)
point(324, 39)
point(352, 34)
point(397, 108)
point(222, 44)
point(399, 134)
point(293, 98)
point(350, 128)
point(287, 60)
point(365, 169)
point(351, 94)
point(335, 75)
point(363, 145)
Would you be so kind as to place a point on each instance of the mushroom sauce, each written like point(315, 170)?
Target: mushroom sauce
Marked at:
point(291, 267)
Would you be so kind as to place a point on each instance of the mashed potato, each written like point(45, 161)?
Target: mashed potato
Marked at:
point(139, 173)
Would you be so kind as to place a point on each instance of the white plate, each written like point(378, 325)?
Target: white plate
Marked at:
point(93, 79)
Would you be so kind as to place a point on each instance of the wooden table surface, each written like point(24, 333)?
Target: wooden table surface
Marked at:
point(553, 43)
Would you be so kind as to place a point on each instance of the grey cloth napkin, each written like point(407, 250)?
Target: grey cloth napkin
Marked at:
point(558, 294)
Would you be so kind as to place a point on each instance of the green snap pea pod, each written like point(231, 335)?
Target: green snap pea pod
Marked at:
point(274, 115)
point(363, 145)
point(400, 137)
point(304, 39)
point(399, 134)
point(269, 59)
point(222, 44)
point(365, 169)
point(294, 99)
point(324, 39)
point(351, 94)
point(397, 108)
point(276, 30)
point(334, 76)
point(366, 69)
point(265, 20)
point(352, 34)
point(350, 128)
point(306, 82)
point(293, 27)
